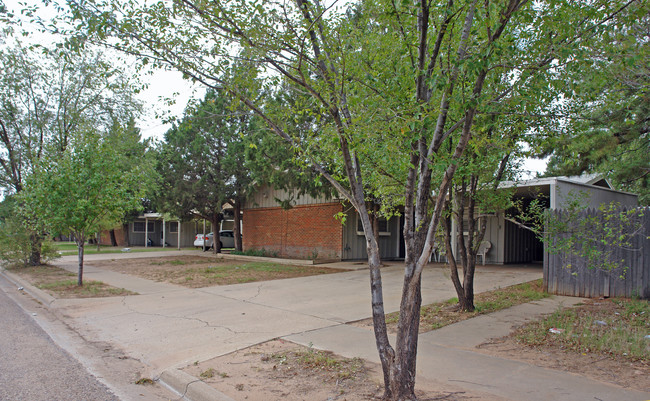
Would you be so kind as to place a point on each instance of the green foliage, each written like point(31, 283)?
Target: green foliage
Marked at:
point(91, 289)
point(48, 96)
point(593, 236)
point(576, 231)
point(218, 153)
point(208, 374)
point(77, 190)
point(440, 314)
point(256, 252)
point(320, 361)
point(74, 190)
point(608, 107)
point(201, 158)
point(511, 296)
point(390, 92)
point(16, 243)
point(16, 237)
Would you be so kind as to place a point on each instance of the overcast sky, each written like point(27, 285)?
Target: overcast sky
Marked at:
point(162, 85)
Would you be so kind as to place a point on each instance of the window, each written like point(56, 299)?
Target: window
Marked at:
point(138, 227)
point(173, 226)
point(384, 228)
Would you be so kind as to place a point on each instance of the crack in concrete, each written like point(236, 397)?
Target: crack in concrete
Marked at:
point(259, 291)
point(205, 323)
point(469, 382)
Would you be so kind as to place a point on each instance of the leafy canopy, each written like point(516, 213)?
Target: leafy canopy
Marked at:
point(73, 191)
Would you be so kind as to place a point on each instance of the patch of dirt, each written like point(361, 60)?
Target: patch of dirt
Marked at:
point(61, 283)
point(281, 370)
point(198, 271)
point(624, 372)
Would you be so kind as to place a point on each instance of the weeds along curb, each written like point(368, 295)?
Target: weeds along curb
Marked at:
point(189, 387)
point(40, 295)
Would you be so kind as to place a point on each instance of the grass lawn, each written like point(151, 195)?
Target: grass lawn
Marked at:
point(614, 327)
point(61, 283)
point(437, 315)
point(70, 248)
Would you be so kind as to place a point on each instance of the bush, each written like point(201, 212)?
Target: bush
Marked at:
point(16, 244)
point(256, 252)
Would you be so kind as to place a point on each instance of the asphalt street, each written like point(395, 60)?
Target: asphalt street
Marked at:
point(33, 367)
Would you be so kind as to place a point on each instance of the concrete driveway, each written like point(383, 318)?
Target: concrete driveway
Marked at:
point(171, 326)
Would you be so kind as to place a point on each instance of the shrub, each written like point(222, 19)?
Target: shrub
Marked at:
point(16, 243)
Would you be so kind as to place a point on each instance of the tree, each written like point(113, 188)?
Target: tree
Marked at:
point(474, 196)
point(391, 83)
point(73, 191)
point(216, 154)
point(607, 105)
point(16, 237)
point(197, 162)
point(46, 96)
point(134, 152)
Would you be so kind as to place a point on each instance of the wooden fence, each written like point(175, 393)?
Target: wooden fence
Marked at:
point(594, 267)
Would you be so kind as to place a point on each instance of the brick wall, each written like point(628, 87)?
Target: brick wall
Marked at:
point(306, 232)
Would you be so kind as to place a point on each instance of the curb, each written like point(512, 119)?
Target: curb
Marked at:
point(293, 262)
point(189, 387)
point(41, 296)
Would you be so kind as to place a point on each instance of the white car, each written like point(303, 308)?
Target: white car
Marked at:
point(226, 237)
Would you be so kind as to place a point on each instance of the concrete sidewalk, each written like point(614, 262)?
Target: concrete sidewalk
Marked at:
point(447, 357)
point(169, 326)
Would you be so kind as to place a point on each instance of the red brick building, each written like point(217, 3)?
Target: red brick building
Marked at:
point(309, 229)
point(304, 231)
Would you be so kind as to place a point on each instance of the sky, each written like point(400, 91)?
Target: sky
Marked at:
point(161, 85)
point(165, 85)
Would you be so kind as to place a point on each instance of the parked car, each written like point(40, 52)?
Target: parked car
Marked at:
point(226, 237)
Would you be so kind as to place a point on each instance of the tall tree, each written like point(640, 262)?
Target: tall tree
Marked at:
point(48, 95)
point(199, 164)
point(391, 82)
point(607, 107)
point(76, 190)
point(134, 153)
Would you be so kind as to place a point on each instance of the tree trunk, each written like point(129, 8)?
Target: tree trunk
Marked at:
point(398, 364)
point(216, 241)
point(453, 267)
point(406, 344)
point(386, 352)
point(236, 230)
point(35, 251)
point(125, 227)
point(375, 221)
point(113, 239)
point(80, 255)
point(465, 302)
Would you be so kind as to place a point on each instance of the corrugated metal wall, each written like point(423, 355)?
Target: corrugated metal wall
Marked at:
point(520, 245)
